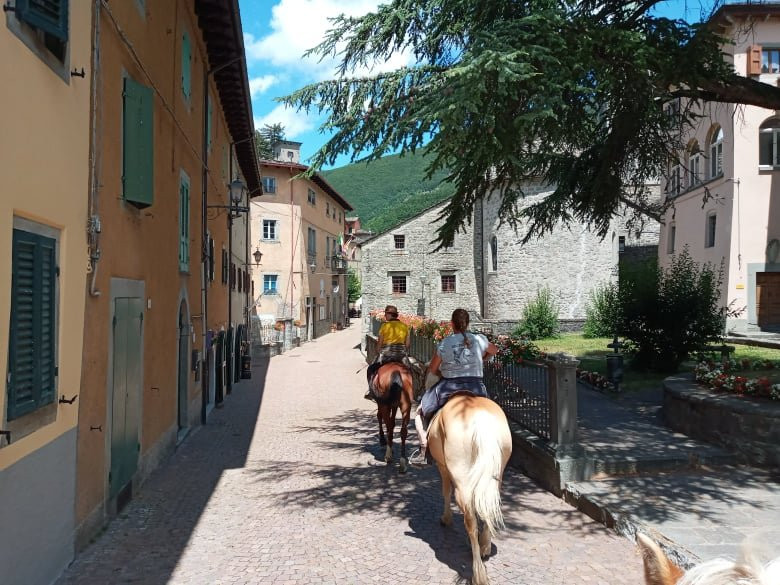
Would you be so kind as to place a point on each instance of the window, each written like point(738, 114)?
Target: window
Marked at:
point(186, 67)
point(327, 252)
point(269, 184)
point(269, 229)
point(43, 27)
point(709, 239)
point(211, 257)
point(224, 266)
point(448, 283)
point(270, 284)
point(674, 184)
point(770, 60)
point(32, 371)
point(716, 153)
point(312, 197)
point(672, 237)
point(137, 144)
point(494, 253)
point(184, 223)
point(621, 244)
point(694, 166)
point(398, 283)
point(768, 143)
point(327, 209)
point(240, 280)
point(340, 216)
point(311, 242)
point(400, 242)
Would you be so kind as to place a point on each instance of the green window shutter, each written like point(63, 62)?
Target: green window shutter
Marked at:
point(208, 124)
point(31, 353)
point(50, 16)
point(138, 144)
point(186, 58)
point(184, 226)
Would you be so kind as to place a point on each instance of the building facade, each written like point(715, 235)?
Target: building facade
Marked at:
point(298, 227)
point(166, 300)
point(724, 189)
point(44, 186)
point(488, 270)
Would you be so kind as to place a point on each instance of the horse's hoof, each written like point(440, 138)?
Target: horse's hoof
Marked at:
point(402, 465)
point(446, 522)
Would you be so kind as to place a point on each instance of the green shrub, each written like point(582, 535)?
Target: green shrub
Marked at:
point(668, 314)
point(602, 315)
point(540, 317)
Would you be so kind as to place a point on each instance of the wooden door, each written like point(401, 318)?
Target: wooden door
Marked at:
point(768, 299)
point(126, 392)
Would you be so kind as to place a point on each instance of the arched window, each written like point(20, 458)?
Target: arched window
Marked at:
point(494, 253)
point(716, 152)
point(694, 165)
point(768, 143)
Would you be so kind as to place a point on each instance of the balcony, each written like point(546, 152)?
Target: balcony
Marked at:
point(338, 264)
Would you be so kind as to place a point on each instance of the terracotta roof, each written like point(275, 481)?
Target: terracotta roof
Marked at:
point(220, 21)
point(745, 9)
point(316, 178)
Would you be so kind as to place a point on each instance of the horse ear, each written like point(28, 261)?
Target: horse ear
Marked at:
point(658, 569)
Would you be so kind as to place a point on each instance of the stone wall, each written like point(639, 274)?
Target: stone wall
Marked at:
point(749, 427)
point(570, 261)
point(381, 260)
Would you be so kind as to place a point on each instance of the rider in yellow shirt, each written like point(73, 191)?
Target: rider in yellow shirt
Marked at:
point(393, 344)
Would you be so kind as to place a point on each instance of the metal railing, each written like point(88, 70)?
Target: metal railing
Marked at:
point(522, 390)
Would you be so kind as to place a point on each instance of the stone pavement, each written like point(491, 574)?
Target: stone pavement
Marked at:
point(680, 491)
point(286, 485)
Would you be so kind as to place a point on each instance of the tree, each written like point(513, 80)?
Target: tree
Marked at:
point(265, 139)
point(353, 286)
point(570, 93)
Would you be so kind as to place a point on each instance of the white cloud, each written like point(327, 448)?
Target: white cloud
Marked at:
point(295, 123)
point(258, 85)
point(298, 25)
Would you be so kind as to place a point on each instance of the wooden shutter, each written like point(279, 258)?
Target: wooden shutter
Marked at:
point(50, 16)
point(754, 60)
point(211, 258)
point(31, 367)
point(184, 225)
point(209, 112)
point(138, 147)
point(186, 58)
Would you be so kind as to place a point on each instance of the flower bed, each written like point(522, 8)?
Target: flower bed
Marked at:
point(595, 379)
point(729, 377)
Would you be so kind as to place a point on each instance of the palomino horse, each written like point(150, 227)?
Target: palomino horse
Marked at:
point(393, 388)
point(659, 570)
point(470, 440)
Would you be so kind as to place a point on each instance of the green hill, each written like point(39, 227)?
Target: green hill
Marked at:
point(390, 190)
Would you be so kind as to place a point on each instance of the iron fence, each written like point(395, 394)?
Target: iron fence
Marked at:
point(522, 390)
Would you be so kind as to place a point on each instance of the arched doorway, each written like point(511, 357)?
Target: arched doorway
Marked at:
point(183, 382)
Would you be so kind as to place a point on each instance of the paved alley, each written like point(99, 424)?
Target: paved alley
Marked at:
point(286, 485)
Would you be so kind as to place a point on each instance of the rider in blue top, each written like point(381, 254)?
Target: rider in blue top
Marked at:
point(458, 360)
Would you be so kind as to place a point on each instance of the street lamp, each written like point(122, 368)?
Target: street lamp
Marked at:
point(258, 255)
point(237, 189)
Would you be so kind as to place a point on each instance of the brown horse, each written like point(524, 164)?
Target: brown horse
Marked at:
point(659, 570)
point(393, 389)
point(470, 440)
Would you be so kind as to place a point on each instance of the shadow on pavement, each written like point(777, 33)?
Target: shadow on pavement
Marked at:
point(145, 542)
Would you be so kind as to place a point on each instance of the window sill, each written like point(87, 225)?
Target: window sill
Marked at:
point(400, 252)
point(768, 168)
point(29, 423)
point(698, 186)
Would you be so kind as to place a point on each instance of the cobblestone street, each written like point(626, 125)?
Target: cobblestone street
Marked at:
point(286, 485)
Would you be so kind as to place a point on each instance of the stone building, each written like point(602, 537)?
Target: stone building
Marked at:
point(488, 270)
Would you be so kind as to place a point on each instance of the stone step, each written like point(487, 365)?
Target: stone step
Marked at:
point(605, 464)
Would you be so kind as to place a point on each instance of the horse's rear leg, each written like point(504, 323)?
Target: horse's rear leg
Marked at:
point(405, 413)
point(390, 426)
point(446, 494)
point(382, 440)
point(484, 541)
point(478, 567)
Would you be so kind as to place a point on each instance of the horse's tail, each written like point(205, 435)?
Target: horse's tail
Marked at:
point(484, 479)
point(392, 395)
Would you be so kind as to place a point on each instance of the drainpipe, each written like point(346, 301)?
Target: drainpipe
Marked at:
point(93, 221)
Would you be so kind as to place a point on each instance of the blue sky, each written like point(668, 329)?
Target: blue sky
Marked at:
point(278, 32)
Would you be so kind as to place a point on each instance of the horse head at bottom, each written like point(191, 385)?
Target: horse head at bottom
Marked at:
point(748, 570)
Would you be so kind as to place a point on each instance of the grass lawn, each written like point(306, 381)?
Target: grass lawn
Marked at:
point(591, 354)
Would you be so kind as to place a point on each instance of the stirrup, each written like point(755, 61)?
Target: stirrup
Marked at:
point(416, 458)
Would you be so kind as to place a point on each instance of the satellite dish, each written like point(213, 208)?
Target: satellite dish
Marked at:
point(335, 289)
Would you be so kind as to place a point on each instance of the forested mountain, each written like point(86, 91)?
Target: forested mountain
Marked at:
point(388, 191)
